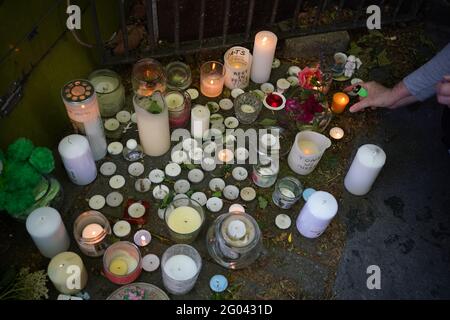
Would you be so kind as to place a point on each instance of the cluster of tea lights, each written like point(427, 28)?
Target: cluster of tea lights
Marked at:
point(156, 110)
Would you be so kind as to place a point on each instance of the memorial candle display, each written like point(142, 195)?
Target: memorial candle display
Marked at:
point(212, 78)
point(179, 105)
point(48, 232)
point(78, 160)
point(122, 263)
point(238, 61)
point(366, 166)
point(63, 266)
point(340, 101)
point(317, 214)
point(199, 121)
point(263, 54)
point(153, 124)
point(110, 91)
point(82, 107)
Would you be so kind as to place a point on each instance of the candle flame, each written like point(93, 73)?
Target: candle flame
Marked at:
point(213, 66)
point(264, 40)
point(83, 106)
point(212, 81)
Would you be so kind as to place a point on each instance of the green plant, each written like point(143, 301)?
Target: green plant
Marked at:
point(24, 285)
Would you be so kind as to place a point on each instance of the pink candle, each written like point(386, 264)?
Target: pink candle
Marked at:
point(212, 77)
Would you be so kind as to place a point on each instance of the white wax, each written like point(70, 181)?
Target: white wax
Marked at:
point(366, 166)
point(180, 267)
point(236, 229)
point(199, 121)
point(91, 231)
point(263, 54)
point(63, 266)
point(48, 232)
point(317, 214)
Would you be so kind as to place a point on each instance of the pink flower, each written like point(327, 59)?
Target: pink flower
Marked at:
point(309, 78)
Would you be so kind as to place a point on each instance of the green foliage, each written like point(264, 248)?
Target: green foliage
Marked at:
point(2, 155)
point(26, 285)
point(42, 160)
point(20, 175)
point(166, 201)
point(18, 201)
point(217, 194)
point(262, 202)
point(268, 122)
point(20, 150)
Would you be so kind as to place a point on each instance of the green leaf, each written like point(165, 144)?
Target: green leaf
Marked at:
point(188, 166)
point(383, 59)
point(354, 49)
point(262, 202)
point(268, 122)
point(217, 194)
point(154, 107)
point(166, 201)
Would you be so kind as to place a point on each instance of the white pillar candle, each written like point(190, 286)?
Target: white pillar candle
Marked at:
point(263, 54)
point(78, 159)
point(63, 266)
point(48, 232)
point(366, 166)
point(199, 121)
point(316, 214)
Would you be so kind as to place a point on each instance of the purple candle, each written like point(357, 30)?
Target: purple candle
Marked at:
point(78, 160)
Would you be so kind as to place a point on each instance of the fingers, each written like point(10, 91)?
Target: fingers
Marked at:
point(360, 105)
point(447, 77)
point(444, 100)
point(443, 88)
point(353, 86)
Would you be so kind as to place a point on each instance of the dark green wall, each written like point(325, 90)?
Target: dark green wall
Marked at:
point(41, 115)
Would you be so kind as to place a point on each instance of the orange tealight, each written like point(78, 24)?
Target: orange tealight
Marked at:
point(340, 101)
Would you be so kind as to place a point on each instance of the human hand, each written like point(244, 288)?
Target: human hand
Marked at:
point(443, 91)
point(378, 96)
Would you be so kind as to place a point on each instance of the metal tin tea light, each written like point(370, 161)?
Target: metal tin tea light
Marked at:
point(110, 91)
point(288, 191)
point(122, 262)
point(91, 230)
point(178, 75)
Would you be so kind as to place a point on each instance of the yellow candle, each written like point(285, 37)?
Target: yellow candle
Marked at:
point(118, 266)
point(308, 147)
point(184, 220)
point(340, 101)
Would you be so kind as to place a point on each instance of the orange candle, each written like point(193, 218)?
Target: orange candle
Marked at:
point(340, 101)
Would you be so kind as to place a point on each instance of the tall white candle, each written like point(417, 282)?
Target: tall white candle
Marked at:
point(48, 232)
point(199, 121)
point(263, 54)
point(317, 214)
point(67, 273)
point(366, 166)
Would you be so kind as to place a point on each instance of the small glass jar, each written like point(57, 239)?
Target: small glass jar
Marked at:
point(212, 77)
point(178, 75)
point(96, 244)
point(184, 218)
point(122, 262)
point(180, 265)
point(148, 76)
point(179, 105)
point(110, 91)
point(288, 191)
point(247, 108)
point(265, 171)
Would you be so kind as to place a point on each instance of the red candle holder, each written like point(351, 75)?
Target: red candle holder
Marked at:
point(274, 101)
point(130, 255)
point(141, 220)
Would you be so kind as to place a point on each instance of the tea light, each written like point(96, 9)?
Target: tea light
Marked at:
point(112, 128)
point(150, 262)
point(123, 116)
point(230, 139)
point(226, 104)
point(115, 148)
point(276, 63)
point(196, 155)
point(248, 194)
point(216, 184)
point(189, 144)
point(213, 106)
point(274, 101)
point(282, 85)
point(267, 88)
point(91, 231)
point(172, 169)
point(195, 175)
point(156, 176)
point(212, 79)
point(293, 80)
point(214, 204)
point(209, 148)
point(236, 92)
point(108, 169)
point(263, 54)
point(136, 210)
point(340, 101)
point(231, 122)
point(218, 283)
point(236, 229)
point(239, 173)
point(97, 202)
point(193, 93)
point(268, 140)
point(307, 193)
point(236, 208)
point(241, 154)
point(208, 164)
point(259, 94)
point(134, 117)
point(114, 199)
point(122, 228)
point(200, 197)
point(199, 121)
point(216, 118)
point(220, 127)
point(182, 186)
point(142, 185)
point(283, 221)
point(142, 238)
point(231, 192)
point(225, 155)
point(179, 156)
point(161, 213)
point(160, 192)
point(117, 182)
point(136, 169)
point(336, 133)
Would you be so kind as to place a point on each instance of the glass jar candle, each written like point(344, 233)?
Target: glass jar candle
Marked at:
point(178, 75)
point(179, 106)
point(265, 171)
point(238, 61)
point(247, 108)
point(212, 75)
point(91, 230)
point(122, 262)
point(180, 265)
point(184, 218)
point(148, 76)
point(110, 91)
point(288, 191)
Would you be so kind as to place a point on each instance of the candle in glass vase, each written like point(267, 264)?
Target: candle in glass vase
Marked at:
point(212, 75)
point(199, 121)
point(110, 91)
point(82, 107)
point(179, 105)
point(122, 263)
point(63, 270)
point(78, 160)
point(148, 76)
point(153, 124)
point(263, 54)
point(238, 61)
point(340, 101)
point(366, 166)
point(48, 232)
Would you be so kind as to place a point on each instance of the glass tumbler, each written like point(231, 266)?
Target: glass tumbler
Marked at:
point(288, 191)
point(247, 108)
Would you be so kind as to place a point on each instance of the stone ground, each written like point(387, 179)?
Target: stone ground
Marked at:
point(402, 225)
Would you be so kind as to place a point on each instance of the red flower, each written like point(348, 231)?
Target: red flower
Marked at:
point(309, 78)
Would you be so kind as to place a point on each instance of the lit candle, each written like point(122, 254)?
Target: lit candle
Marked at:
point(91, 231)
point(237, 67)
point(336, 133)
point(199, 121)
point(212, 79)
point(142, 238)
point(236, 208)
point(184, 220)
point(340, 101)
point(63, 266)
point(225, 155)
point(308, 147)
point(263, 54)
point(366, 166)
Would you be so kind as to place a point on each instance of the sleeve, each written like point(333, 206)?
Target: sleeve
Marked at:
point(422, 82)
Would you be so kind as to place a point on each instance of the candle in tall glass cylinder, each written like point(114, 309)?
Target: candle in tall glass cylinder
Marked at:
point(238, 61)
point(67, 273)
point(110, 91)
point(263, 54)
point(153, 124)
point(212, 75)
point(82, 107)
point(148, 76)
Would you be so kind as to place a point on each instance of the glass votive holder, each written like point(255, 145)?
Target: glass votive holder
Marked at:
point(184, 218)
point(91, 230)
point(247, 108)
point(288, 191)
point(212, 77)
point(178, 75)
point(148, 76)
point(179, 106)
point(110, 91)
point(180, 265)
point(122, 263)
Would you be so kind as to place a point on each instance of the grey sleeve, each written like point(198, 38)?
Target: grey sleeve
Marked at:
point(422, 82)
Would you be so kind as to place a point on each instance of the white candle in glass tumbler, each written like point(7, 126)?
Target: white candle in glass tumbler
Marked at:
point(317, 214)
point(366, 166)
point(63, 266)
point(263, 54)
point(48, 232)
point(212, 76)
point(199, 121)
point(180, 267)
